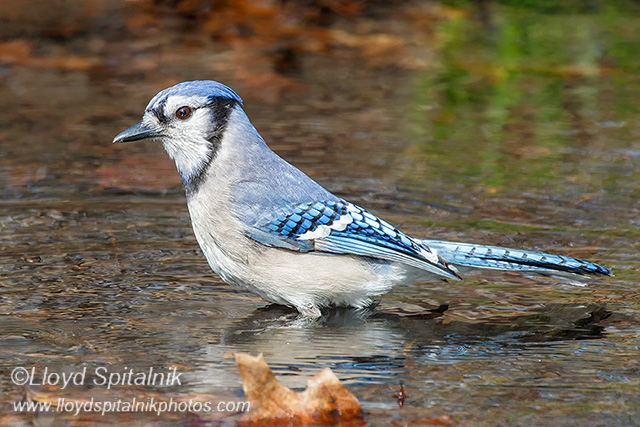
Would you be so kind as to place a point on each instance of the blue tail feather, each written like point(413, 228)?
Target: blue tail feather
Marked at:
point(498, 258)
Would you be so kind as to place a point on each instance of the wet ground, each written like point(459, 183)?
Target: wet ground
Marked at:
point(522, 131)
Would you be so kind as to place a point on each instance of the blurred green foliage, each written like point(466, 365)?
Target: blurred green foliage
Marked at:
point(524, 99)
point(553, 6)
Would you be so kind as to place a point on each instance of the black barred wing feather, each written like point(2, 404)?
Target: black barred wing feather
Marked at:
point(340, 227)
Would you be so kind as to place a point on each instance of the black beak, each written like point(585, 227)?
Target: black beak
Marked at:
point(136, 133)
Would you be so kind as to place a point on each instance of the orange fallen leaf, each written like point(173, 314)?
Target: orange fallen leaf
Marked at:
point(325, 401)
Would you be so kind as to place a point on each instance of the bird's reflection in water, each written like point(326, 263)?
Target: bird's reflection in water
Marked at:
point(370, 346)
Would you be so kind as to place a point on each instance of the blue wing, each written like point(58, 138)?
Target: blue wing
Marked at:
point(339, 227)
point(498, 258)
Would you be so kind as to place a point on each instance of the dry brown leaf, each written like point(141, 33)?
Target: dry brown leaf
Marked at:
point(324, 401)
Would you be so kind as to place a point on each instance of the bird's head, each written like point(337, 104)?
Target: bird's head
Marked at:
point(189, 119)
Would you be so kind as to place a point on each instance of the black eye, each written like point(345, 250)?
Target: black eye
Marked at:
point(183, 112)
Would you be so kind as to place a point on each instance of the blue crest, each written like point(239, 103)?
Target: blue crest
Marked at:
point(204, 88)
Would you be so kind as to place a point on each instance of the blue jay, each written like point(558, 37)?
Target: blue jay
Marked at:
point(266, 227)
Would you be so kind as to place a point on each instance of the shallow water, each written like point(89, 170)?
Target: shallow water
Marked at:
point(475, 137)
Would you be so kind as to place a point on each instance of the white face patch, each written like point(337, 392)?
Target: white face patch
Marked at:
point(185, 141)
